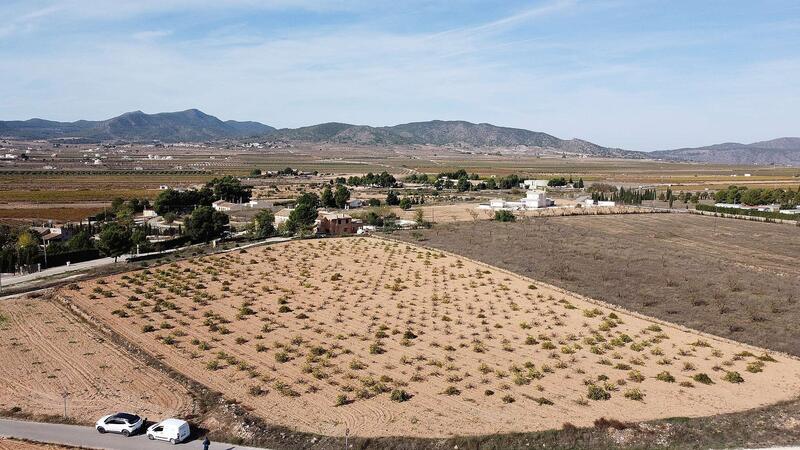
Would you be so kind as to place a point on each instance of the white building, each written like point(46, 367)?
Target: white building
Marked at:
point(589, 203)
point(223, 206)
point(282, 215)
point(535, 184)
point(534, 199)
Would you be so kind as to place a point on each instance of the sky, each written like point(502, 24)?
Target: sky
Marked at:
point(634, 74)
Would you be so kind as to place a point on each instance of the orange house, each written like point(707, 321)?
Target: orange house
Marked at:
point(336, 223)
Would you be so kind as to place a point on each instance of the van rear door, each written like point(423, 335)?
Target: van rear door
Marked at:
point(183, 431)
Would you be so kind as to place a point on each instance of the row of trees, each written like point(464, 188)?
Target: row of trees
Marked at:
point(561, 182)
point(337, 199)
point(741, 194)
point(226, 188)
point(383, 179)
point(624, 196)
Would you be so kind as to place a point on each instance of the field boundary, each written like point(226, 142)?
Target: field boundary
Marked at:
point(743, 217)
point(593, 301)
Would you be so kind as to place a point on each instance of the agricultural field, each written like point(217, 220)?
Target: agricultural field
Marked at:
point(391, 339)
point(46, 351)
point(732, 278)
point(62, 214)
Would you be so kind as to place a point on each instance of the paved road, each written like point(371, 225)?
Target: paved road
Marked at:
point(88, 437)
point(10, 281)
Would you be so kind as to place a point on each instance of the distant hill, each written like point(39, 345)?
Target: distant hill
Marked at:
point(195, 126)
point(439, 132)
point(185, 126)
point(783, 151)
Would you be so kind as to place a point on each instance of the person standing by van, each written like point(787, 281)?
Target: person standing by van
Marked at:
point(206, 443)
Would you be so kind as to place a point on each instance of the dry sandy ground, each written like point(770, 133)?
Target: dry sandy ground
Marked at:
point(13, 444)
point(287, 329)
point(46, 351)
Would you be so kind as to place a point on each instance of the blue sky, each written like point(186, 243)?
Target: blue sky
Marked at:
point(636, 74)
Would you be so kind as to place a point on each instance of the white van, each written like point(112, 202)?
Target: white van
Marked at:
point(172, 430)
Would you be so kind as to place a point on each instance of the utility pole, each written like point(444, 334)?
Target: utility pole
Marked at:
point(64, 395)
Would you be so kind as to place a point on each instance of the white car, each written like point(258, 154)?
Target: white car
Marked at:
point(123, 423)
point(172, 430)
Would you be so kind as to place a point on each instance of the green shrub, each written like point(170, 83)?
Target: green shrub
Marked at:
point(702, 378)
point(282, 357)
point(452, 390)
point(755, 366)
point(504, 216)
point(634, 394)
point(666, 377)
point(399, 395)
point(733, 377)
point(597, 393)
point(635, 375)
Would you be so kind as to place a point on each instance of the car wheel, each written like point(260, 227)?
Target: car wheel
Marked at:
point(101, 430)
point(151, 437)
point(173, 441)
point(126, 433)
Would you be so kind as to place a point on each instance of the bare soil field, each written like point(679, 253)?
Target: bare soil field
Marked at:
point(46, 351)
point(731, 278)
point(468, 212)
point(390, 339)
point(14, 444)
point(62, 214)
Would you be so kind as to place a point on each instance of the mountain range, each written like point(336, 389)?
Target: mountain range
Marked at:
point(185, 126)
point(783, 151)
point(441, 132)
point(196, 126)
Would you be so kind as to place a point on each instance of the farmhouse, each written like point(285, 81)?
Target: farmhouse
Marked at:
point(355, 203)
point(223, 206)
point(282, 215)
point(337, 223)
point(47, 234)
point(535, 184)
point(534, 199)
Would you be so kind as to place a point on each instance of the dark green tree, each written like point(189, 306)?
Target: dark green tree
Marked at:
point(392, 199)
point(326, 199)
point(230, 189)
point(302, 218)
point(341, 196)
point(81, 240)
point(205, 224)
point(264, 224)
point(115, 240)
